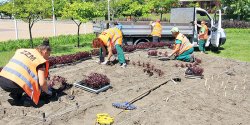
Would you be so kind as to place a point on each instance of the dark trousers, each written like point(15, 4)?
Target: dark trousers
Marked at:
point(156, 39)
point(11, 87)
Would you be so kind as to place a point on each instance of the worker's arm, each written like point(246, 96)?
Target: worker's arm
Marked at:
point(177, 48)
point(110, 53)
point(197, 24)
point(42, 80)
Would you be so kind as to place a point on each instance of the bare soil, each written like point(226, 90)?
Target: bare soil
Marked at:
point(222, 97)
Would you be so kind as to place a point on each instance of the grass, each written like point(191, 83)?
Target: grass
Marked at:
point(237, 45)
point(61, 45)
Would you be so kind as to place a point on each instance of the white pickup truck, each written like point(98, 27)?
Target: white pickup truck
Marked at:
point(183, 18)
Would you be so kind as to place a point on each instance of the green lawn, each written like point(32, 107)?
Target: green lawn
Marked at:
point(61, 45)
point(237, 45)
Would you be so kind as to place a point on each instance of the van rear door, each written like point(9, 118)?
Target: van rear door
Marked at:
point(215, 38)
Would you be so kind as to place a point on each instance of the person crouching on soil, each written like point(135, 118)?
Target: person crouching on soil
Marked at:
point(106, 41)
point(182, 47)
point(25, 75)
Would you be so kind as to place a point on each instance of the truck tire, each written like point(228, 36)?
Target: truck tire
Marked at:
point(141, 40)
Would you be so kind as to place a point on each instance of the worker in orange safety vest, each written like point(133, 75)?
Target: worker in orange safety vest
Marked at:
point(26, 74)
point(106, 41)
point(183, 48)
point(156, 31)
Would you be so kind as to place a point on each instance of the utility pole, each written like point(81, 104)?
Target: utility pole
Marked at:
point(108, 11)
point(15, 21)
point(54, 22)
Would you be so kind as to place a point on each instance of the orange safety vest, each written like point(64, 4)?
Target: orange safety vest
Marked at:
point(185, 44)
point(205, 35)
point(21, 69)
point(112, 34)
point(157, 29)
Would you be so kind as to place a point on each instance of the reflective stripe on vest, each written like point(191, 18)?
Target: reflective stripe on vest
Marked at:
point(21, 69)
point(185, 44)
point(157, 29)
point(205, 35)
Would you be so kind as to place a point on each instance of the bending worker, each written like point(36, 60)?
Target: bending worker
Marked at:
point(157, 30)
point(203, 35)
point(106, 41)
point(27, 72)
point(183, 48)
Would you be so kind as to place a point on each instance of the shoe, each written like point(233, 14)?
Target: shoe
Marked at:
point(124, 65)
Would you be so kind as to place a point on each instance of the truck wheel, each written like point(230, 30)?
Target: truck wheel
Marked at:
point(214, 49)
point(141, 40)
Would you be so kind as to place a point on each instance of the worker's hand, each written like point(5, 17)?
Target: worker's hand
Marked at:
point(104, 63)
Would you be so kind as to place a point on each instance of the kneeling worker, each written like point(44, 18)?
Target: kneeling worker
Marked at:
point(183, 48)
point(106, 41)
point(27, 72)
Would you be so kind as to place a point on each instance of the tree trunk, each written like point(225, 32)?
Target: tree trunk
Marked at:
point(161, 15)
point(78, 35)
point(31, 39)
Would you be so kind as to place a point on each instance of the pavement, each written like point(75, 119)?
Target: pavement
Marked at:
point(42, 28)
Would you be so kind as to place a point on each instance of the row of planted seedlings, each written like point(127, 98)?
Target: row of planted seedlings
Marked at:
point(192, 68)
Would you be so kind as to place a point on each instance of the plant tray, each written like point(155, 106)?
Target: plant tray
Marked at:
point(86, 88)
point(194, 76)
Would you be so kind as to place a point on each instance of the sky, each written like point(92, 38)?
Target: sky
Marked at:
point(2, 1)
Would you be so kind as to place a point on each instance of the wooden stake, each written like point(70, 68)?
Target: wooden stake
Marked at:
point(235, 87)
point(206, 82)
point(222, 83)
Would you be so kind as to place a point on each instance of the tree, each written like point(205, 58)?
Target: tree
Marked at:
point(164, 6)
point(31, 11)
point(80, 12)
point(239, 9)
point(5, 8)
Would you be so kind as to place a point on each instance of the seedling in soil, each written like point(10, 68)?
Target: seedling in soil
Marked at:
point(133, 63)
point(160, 53)
point(182, 65)
point(198, 60)
point(58, 83)
point(139, 63)
point(152, 53)
point(176, 65)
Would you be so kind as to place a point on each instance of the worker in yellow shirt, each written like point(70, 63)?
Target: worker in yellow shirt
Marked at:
point(27, 72)
point(157, 30)
point(183, 48)
point(106, 41)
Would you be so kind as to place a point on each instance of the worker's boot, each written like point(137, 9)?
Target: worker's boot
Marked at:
point(16, 99)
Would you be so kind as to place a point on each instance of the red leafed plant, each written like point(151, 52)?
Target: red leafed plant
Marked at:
point(198, 60)
point(64, 59)
point(96, 80)
point(56, 81)
point(152, 53)
point(197, 70)
point(129, 48)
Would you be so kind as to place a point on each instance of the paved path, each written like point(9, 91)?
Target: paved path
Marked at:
point(40, 29)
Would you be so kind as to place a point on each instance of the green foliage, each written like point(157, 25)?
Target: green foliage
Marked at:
point(5, 8)
point(237, 45)
point(237, 9)
point(80, 12)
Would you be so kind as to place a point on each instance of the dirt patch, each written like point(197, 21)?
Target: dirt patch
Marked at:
point(222, 97)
